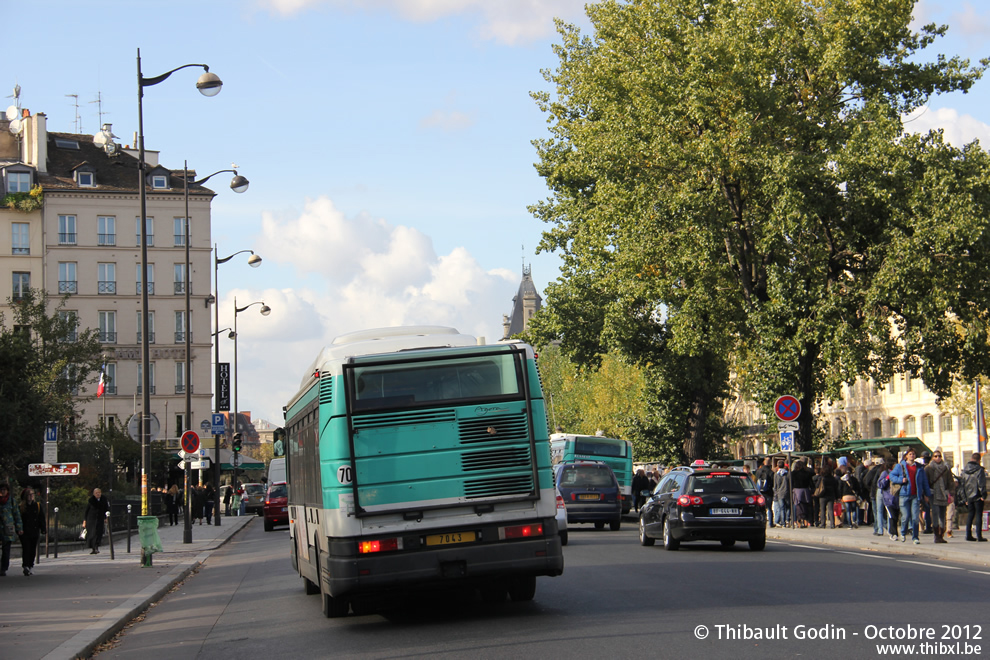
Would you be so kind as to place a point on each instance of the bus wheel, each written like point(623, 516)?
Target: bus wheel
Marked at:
point(522, 588)
point(600, 525)
point(311, 588)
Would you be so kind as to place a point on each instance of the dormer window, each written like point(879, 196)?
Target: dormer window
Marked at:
point(159, 182)
point(18, 181)
point(85, 176)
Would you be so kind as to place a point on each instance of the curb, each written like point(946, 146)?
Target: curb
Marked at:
point(958, 553)
point(83, 643)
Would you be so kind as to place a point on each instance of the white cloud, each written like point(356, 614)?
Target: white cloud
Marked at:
point(972, 23)
point(448, 121)
point(373, 274)
point(959, 130)
point(505, 21)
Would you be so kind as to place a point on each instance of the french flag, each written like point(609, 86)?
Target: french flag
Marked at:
point(981, 424)
point(102, 385)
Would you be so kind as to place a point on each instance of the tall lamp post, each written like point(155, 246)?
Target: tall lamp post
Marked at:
point(209, 84)
point(254, 261)
point(265, 311)
point(239, 185)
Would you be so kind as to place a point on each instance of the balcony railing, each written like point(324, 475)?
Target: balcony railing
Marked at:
point(21, 250)
point(151, 288)
point(106, 288)
point(151, 337)
point(151, 390)
point(180, 288)
point(151, 240)
point(67, 239)
point(180, 240)
point(180, 337)
point(108, 337)
point(110, 389)
point(67, 286)
point(106, 239)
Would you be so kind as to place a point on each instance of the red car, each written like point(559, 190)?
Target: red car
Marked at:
point(276, 505)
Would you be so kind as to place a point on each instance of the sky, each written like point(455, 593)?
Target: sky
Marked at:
point(388, 144)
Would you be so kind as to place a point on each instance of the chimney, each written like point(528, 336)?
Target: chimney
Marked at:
point(36, 140)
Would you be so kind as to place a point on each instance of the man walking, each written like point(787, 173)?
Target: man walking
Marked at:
point(974, 483)
point(913, 481)
point(941, 482)
point(764, 483)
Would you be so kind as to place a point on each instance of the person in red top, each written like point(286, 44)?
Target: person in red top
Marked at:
point(913, 481)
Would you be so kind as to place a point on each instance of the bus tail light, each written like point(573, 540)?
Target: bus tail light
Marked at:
point(520, 531)
point(378, 545)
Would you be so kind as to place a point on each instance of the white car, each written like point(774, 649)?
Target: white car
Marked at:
point(561, 518)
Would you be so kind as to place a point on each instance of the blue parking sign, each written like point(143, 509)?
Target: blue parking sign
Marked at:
point(51, 431)
point(219, 424)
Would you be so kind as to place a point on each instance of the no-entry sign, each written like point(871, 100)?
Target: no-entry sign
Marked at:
point(787, 408)
point(189, 442)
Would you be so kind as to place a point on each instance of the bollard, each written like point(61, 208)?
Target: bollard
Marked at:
point(56, 532)
point(110, 534)
point(128, 529)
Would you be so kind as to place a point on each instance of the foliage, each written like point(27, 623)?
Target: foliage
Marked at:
point(24, 202)
point(42, 364)
point(734, 174)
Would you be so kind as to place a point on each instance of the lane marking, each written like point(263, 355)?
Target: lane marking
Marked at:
point(921, 563)
point(980, 572)
point(862, 554)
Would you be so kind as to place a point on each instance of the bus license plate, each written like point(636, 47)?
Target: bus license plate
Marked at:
point(726, 512)
point(448, 539)
point(593, 496)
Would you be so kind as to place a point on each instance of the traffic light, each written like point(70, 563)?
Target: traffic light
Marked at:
point(237, 442)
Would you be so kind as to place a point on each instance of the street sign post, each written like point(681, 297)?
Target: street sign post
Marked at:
point(189, 442)
point(51, 452)
point(788, 426)
point(53, 469)
point(787, 408)
point(134, 428)
point(204, 426)
point(787, 441)
point(219, 424)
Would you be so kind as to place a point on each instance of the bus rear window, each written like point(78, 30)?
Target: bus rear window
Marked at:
point(437, 382)
point(597, 448)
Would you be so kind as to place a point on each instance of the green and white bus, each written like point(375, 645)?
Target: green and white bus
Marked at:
point(617, 454)
point(418, 458)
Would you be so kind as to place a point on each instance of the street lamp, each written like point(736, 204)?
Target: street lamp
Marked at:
point(239, 185)
point(208, 85)
point(265, 311)
point(254, 261)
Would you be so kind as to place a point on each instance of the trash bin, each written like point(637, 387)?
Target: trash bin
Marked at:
point(150, 542)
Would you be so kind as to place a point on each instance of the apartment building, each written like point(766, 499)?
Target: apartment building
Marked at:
point(84, 242)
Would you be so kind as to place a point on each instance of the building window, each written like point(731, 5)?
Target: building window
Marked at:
point(151, 378)
point(965, 422)
point(877, 428)
point(945, 423)
point(151, 327)
point(891, 386)
point(907, 382)
point(69, 321)
point(180, 232)
point(911, 425)
point(892, 426)
point(927, 424)
point(159, 181)
point(180, 379)
point(67, 282)
point(108, 327)
point(20, 238)
point(66, 230)
point(149, 227)
point(22, 284)
point(107, 421)
point(106, 227)
point(180, 327)
point(106, 275)
point(854, 427)
point(18, 182)
point(85, 180)
point(179, 277)
point(180, 423)
point(111, 386)
point(151, 278)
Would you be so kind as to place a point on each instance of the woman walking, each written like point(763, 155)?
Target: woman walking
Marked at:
point(829, 490)
point(94, 520)
point(34, 527)
point(172, 505)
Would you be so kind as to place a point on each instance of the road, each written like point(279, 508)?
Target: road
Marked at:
point(615, 599)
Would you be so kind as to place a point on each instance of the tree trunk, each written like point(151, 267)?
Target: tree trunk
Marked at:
point(807, 396)
point(694, 440)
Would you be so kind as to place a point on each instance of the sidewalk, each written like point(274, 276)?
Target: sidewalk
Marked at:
point(958, 549)
point(76, 602)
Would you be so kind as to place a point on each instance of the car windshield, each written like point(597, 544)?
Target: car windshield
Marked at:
point(720, 482)
point(585, 476)
point(254, 489)
point(278, 490)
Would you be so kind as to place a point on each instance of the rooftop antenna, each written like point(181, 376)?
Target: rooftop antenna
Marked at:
point(78, 118)
point(14, 112)
point(99, 106)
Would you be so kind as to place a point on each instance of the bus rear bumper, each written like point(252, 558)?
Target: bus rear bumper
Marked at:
point(460, 565)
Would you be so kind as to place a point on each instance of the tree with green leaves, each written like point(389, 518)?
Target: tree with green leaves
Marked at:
point(44, 361)
point(737, 172)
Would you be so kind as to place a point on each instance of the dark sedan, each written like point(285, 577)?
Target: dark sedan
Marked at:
point(704, 504)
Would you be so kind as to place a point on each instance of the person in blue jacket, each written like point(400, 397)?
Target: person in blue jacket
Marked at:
point(914, 489)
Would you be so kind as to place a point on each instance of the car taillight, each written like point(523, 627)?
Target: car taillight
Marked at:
point(756, 499)
point(560, 502)
point(520, 531)
point(689, 500)
point(378, 545)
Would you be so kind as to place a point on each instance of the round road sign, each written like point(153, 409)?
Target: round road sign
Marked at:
point(190, 442)
point(787, 408)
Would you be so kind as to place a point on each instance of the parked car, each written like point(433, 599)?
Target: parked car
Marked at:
point(591, 493)
point(256, 498)
point(704, 503)
point(276, 505)
point(561, 518)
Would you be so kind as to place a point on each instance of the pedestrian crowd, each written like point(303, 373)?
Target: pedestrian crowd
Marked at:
point(914, 495)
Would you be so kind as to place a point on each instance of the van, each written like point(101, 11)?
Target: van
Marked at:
point(276, 471)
